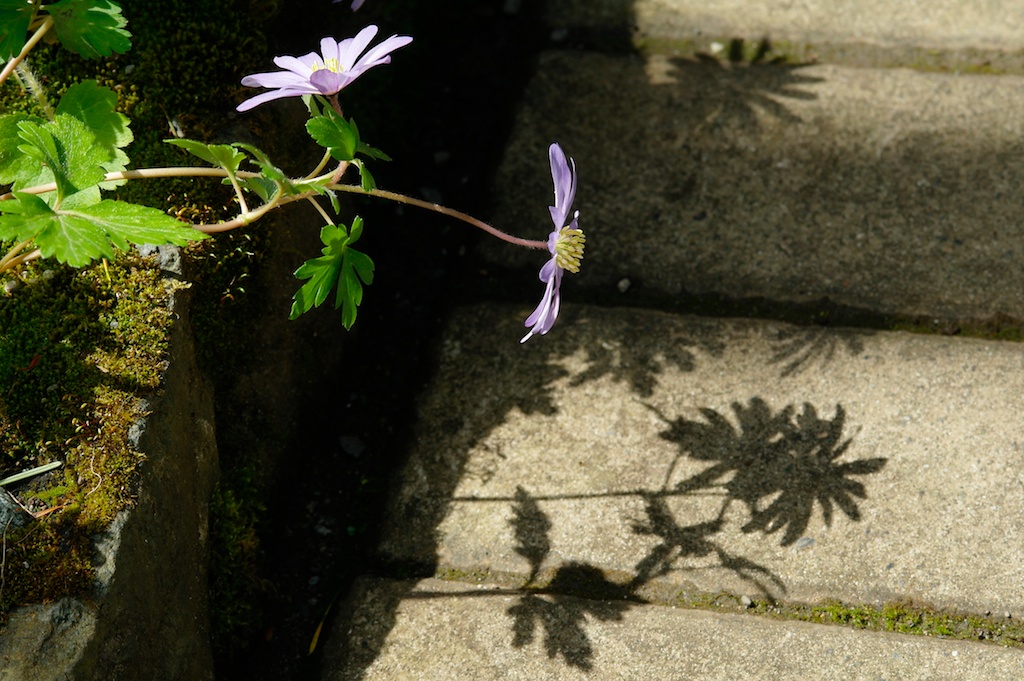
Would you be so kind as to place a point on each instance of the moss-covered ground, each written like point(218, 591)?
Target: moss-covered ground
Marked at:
point(80, 351)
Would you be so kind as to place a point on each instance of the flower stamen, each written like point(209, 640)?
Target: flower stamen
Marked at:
point(569, 248)
point(329, 64)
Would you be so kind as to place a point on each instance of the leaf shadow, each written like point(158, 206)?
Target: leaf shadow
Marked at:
point(561, 608)
point(779, 465)
point(694, 541)
point(797, 348)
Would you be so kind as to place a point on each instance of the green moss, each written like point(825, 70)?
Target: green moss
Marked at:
point(79, 353)
point(902, 617)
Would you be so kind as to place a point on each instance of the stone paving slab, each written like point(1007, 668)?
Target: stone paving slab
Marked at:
point(941, 24)
point(889, 190)
point(670, 457)
point(446, 630)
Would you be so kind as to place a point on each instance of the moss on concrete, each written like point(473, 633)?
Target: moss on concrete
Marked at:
point(80, 351)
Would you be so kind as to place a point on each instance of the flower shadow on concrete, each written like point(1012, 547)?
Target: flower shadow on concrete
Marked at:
point(778, 464)
point(798, 348)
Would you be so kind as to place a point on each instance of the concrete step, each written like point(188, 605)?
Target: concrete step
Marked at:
point(449, 630)
point(889, 190)
point(682, 457)
point(995, 25)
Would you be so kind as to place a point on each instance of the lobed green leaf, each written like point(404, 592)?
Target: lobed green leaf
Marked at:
point(341, 267)
point(15, 17)
point(335, 134)
point(223, 155)
point(91, 28)
point(88, 232)
point(96, 106)
point(65, 152)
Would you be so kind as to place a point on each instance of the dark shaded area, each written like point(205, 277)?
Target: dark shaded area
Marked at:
point(443, 117)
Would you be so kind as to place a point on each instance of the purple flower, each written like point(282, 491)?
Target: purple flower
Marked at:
point(337, 65)
point(565, 243)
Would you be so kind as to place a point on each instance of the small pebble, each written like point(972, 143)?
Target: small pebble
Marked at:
point(11, 286)
point(746, 602)
point(624, 285)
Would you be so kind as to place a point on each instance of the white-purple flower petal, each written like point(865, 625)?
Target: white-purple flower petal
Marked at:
point(325, 73)
point(565, 243)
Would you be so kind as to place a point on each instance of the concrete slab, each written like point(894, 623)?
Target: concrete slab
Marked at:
point(941, 24)
point(444, 630)
point(673, 457)
point(886, 189)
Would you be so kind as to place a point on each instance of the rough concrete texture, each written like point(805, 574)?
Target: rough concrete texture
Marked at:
point(443, 630)
point(891, 190)
point(645, 453)
point(942, 24)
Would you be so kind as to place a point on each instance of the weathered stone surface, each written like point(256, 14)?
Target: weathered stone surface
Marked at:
point(684, 456)
point(147, 616)
point(447, 630)
point(891, 190)
point(944, 24)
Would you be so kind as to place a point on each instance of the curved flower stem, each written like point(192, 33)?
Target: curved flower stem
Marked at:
point(36, 37)
point(145, 173)
point(338, 172)
point(12, 255)
point(320, 166)
point(238, 193)
point(27, 257)
point(246, 218)
point(402, 198)
point(320, 209)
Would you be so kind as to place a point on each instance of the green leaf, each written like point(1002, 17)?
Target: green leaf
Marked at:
point(341, 267)
point(332, 132)
point(92, 28)
point(95, 106)
point(15, 16)
point(129, 222)
point(223, 155)
point(365, 177)
point(311, 104)
point(260, 186)
point(68, 155)
point(16, 167)
point(356, 265)
point(79, 236)
point(372, 152)
point(271, 171)
point(69, 239)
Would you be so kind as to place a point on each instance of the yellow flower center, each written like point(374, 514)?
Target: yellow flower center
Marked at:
point(569, 249)
point(329, 64)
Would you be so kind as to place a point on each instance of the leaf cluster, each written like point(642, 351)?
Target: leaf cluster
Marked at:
point(341, 267)
point(341, 139)
point(73, 153)
point(91, 28)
